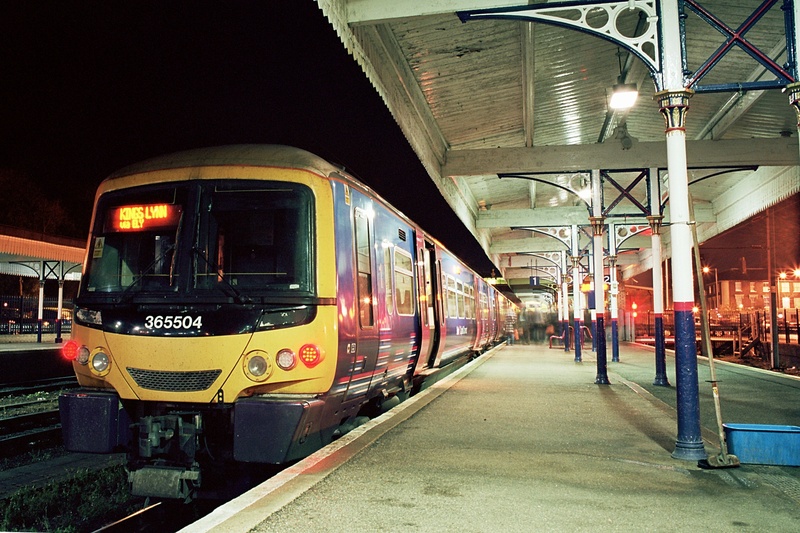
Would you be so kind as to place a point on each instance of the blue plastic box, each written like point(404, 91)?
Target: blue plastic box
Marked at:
point(764, 444)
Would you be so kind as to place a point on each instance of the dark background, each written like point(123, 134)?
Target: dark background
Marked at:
point(89, 87)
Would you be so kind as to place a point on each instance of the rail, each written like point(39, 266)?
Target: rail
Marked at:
point(23, 433)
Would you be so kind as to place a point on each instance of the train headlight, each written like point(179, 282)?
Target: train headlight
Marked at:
point(72, 351)
point(83, 355)
point(99, 362)
point(257, 366)
point(88, 316)
point(286, 359)
point(310, 355)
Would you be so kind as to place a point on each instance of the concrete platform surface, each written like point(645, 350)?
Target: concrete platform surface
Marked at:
point(521, 440)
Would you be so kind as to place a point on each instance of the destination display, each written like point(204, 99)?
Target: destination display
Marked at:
point(143, 217)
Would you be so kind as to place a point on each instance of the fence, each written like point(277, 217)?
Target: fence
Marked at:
point(753, 324)
point(20, 315)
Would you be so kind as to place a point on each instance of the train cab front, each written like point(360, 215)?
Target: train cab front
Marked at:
point(202, 333)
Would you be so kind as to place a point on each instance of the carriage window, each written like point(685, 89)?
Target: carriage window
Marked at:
point(364, 269)
point(452, 304)
point(404, 286)
point(460, 295)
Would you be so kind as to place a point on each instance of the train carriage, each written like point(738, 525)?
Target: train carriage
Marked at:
point(246, 304)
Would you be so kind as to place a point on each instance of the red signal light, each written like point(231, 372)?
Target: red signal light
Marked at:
point(310, 355)
point(70, 350)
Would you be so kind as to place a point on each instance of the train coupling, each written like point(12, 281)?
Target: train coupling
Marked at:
point(169, 443)
point(165, 482)
point(174, 436)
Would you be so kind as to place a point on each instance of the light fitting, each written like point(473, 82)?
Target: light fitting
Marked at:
point(623, 96)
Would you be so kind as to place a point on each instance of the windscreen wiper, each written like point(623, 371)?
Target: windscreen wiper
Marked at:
point(127, 294)
point(237, 296)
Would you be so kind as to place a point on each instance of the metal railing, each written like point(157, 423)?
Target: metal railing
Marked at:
point(19, 315)
point(742, 327)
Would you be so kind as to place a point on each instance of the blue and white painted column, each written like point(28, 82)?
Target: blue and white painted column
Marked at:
point(658, 292)
point(598, 225)
point(576, 292)
point(613, 290)
point(565, 299)
point(793, 89)
point(591, 302)
point(40, 319)
point(673, 103)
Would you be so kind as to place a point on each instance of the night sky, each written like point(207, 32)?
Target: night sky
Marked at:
point(89, 87)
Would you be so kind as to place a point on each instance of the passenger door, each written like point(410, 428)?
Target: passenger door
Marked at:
point(366, 348)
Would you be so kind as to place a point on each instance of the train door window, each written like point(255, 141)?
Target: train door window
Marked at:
point(364, 269)
point(470, 298)
point(428, 264)
point(404, 282)
point(443, 295)
point(387, 279)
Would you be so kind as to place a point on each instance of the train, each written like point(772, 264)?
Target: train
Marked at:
point(248, 304)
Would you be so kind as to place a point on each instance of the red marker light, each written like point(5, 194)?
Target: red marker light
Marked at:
point(70, 350)
point(310, 355)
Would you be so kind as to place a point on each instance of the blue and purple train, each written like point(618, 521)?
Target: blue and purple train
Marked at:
point(245, 304)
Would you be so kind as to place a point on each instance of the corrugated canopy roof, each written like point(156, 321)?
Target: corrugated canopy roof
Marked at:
point(487, 97)
point(22, 253)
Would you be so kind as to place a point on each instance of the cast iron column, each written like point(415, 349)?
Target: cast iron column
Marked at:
point(613, 290)
point(565, 298)
point(673, 104)
point(576, 299)
point(658, 298)
point(689, 443)
point(599, 299)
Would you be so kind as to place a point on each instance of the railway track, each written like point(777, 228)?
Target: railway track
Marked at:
point(43, 385)
point(29, 417)
point(161, 516)
point(22, 433)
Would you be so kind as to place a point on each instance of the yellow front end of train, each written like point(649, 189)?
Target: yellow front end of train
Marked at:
point(299, 360)
point(206, 326)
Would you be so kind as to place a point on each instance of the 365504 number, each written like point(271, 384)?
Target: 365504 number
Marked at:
point(172, 322)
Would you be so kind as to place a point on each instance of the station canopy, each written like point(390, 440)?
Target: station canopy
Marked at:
point(25, 253)
point(510, 117)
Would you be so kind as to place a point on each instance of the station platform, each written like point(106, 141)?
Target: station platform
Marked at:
point(29, 341)
point(522, 439)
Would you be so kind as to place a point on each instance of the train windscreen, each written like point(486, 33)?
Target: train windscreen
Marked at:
point(134, 242)
point(242, 237)
point(257, 239)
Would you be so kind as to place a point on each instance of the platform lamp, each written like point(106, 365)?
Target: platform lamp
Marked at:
point(782, 277)
point(707, 270)
point(623, 95)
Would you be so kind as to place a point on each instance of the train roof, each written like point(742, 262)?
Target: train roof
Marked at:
point(273, 155)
